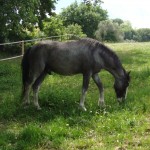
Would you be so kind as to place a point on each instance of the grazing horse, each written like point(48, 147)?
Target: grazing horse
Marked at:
point(85, 56)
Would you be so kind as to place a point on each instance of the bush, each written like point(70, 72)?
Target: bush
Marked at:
point(109, 31)
point(74, 29)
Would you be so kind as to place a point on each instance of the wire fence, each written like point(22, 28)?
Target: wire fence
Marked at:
point(16, 49)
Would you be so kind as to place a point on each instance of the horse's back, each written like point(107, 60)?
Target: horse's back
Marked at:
point(64, 57)
point(67, 58)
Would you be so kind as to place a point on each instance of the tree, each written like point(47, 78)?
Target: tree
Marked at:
point(109, 31)
point(87, 16)
point(118, 20)
point(53, 26)
point(36, 33)
point(127, 29)
point(92, 2)
point(75, 29)
point(143, 35)
point(18, 15)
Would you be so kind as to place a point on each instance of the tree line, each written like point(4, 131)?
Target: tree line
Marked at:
point(22, 20)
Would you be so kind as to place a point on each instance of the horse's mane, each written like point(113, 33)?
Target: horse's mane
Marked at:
point(97, 44)
point(103, 48)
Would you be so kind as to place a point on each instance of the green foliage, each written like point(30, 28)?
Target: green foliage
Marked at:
point(119, 30)
point(74, 29)
point(143, 35)
point(87, 16)
point(140, 35)
point(35, 33)
point(53, 26)
point(22, 20)
point(118, 20)
point(18, 15)
point(109, 31)
point(92, 2)
point(127, 29)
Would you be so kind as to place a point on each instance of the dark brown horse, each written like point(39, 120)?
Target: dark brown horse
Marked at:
point(85, 56)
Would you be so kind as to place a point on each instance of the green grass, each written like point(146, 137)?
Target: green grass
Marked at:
point(61, 125)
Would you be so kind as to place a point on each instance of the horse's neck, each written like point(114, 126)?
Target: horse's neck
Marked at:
point(111, 63)
point(117, 73)
point(116, 70)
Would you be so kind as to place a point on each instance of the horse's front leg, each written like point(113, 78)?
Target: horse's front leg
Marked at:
point(86, 79)
point(36, 87)
point(101, 89)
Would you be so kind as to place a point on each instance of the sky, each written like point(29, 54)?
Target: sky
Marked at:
point(135, 11)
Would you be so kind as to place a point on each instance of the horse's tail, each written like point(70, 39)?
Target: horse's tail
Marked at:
point(25, 69)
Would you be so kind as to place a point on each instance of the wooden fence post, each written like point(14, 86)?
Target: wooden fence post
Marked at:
point(22, 47)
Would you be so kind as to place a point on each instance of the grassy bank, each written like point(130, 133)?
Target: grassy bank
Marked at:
point(61, 125)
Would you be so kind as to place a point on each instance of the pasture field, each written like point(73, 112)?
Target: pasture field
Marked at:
point(60, 125)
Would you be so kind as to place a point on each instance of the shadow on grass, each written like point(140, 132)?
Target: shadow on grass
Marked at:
point(65, 105)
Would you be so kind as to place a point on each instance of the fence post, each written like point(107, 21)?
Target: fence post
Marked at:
point(22, 43)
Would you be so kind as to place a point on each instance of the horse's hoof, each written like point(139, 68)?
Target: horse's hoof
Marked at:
point(83, 108)
point(25, 105)
point(101, 104)
point(38, 108)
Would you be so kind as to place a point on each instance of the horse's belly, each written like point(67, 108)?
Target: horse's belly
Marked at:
point(69, 64)
point(66, 69)
point(65, 72)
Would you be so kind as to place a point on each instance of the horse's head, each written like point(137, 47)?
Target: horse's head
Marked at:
point(121, 86)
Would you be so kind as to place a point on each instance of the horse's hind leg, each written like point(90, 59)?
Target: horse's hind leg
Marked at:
point(36, 87)
point(26, 91)
point(101, 90)
point(86, 79)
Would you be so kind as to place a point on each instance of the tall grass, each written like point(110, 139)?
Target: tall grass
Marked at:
point(62, 125)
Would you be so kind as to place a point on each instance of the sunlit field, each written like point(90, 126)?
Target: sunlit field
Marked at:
point(61, 125)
